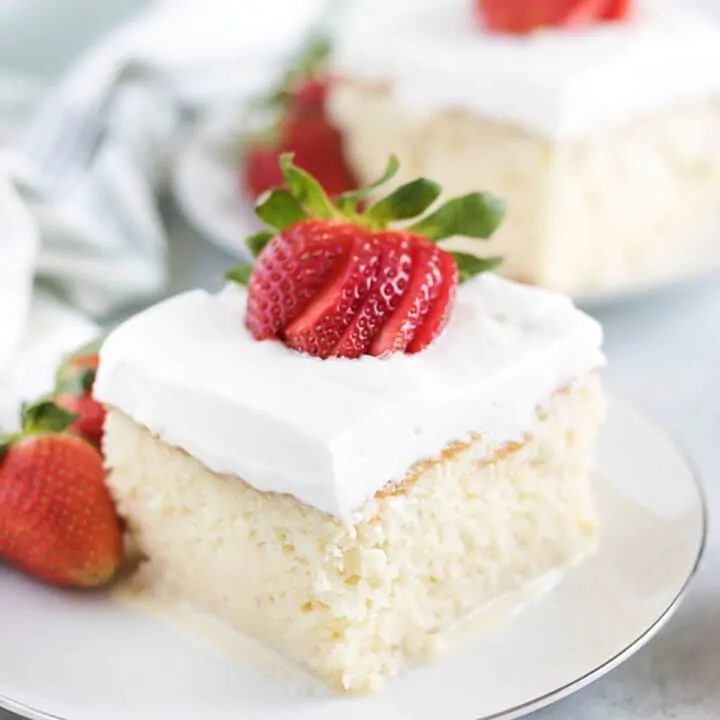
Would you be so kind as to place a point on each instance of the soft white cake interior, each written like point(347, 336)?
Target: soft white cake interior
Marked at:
point(354, 601)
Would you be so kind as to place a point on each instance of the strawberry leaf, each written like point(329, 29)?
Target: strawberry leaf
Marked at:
point(476, 215)
point(87, 350)
point(279, 209)
point(76, 384)
point(256, 243)
point(314, 55)
point(350, 199)
point(306, 190)
point(239, 274)
point(406, 202)
point(311, 60)
point(46, 417)
point(470, 265)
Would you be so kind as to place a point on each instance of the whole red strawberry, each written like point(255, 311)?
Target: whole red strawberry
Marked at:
point(301, 126)
point(520, 17)
point(318, 147)
point(73, 391)
point(331, 281)
point(57, 520)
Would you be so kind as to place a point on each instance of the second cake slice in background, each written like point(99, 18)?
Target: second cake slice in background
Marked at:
point(604, 138)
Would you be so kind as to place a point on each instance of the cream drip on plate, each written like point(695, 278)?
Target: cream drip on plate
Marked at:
point(334, 432)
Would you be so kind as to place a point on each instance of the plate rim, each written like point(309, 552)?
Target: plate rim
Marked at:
point(30, 713)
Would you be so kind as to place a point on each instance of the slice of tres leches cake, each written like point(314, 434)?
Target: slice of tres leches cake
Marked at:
point(551, 113)
point(348, 457)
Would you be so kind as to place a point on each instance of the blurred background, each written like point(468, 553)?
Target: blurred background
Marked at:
point(144, 199)
point(39, 40)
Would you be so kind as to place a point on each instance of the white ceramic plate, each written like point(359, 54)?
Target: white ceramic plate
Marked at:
point(84, 657)
point(207, 189)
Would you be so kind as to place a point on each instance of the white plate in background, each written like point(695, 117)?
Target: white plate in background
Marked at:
point(67, 656)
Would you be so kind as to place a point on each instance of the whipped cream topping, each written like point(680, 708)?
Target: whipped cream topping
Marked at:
point(334, 432)
point(559, 84)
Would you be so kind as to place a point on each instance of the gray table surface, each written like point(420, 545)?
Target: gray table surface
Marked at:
point(664, 353)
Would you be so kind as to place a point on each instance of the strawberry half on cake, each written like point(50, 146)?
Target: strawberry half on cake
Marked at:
point(597, 120)
point(363, 438)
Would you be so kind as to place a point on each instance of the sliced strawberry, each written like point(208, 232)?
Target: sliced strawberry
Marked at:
point(311, 95)
point(425, 281)
point(321, 326)
point(437, 317)
point(504, 17)
point(291, 271)
point(520, 17)
point(583, 13)
point(392, 282)
point(618, 10)
point(332, 280)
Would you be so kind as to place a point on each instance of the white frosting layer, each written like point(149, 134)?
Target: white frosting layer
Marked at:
point(333, 432)
point(560, 84)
